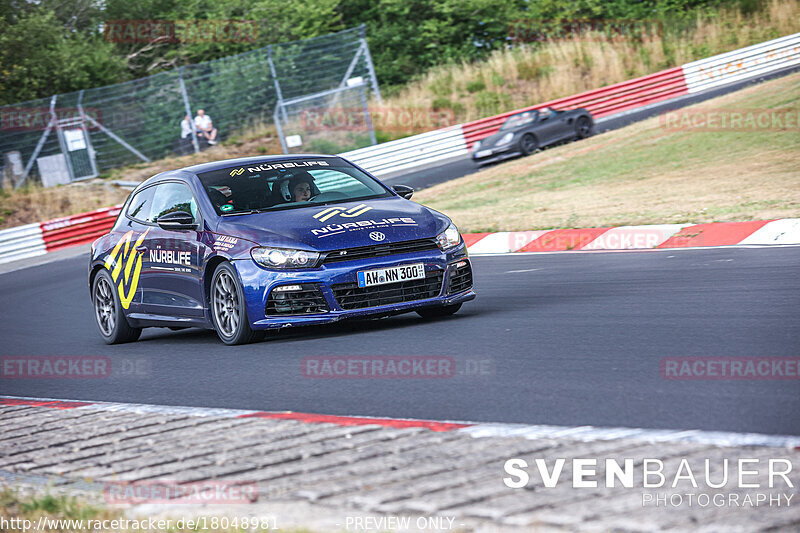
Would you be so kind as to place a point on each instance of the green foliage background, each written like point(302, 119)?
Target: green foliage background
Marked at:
point(58, 46)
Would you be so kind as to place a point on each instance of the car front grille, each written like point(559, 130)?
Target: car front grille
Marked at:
point(460, 277)
point(307, 301)
point(380, 250)
point(351, 296)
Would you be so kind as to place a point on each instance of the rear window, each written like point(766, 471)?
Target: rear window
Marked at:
point(274, 185)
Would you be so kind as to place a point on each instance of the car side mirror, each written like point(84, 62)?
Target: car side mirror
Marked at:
point(177, 220)
point(404, 190)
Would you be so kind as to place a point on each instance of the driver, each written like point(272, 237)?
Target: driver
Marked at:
point(300, 188)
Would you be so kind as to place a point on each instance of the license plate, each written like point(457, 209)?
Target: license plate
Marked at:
point(382, 276)
point(483, 153)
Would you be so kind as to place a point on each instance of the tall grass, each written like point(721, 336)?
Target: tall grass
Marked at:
point(530, 74)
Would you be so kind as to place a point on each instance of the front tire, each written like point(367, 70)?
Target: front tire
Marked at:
point(440, 311)
point(528, 144)
point(228, 308)
point(108, 314)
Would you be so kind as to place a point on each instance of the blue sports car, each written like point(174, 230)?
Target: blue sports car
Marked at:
point(248, 245)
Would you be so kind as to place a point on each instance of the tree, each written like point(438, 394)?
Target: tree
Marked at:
point(39, 57)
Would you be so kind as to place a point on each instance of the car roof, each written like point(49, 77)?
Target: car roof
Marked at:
point(225, 163)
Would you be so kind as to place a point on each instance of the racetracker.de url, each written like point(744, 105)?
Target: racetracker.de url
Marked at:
point(198, 523)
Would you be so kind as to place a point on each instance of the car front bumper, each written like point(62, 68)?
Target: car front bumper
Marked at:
point(258, 284)
point(493, 155)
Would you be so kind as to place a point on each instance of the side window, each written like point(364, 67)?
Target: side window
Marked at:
point(170, 197)
point(139, 208)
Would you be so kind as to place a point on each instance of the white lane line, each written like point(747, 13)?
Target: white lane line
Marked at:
point(524, 270)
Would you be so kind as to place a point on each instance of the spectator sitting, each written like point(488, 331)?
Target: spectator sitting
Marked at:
point(205, 128)
point(186, 127)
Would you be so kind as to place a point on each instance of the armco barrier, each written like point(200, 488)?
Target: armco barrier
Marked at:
point(416, 151)
point(743, 64)
point(21, 242)
point(78, 229)
point(37, 239)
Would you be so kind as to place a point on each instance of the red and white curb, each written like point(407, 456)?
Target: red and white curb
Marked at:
point(655, 237)
point(474, 429)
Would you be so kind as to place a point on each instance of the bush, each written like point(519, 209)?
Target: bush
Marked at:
point(489, 103)
point(476, 86)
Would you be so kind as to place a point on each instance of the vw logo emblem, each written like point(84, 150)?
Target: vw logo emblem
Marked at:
point(377, 236)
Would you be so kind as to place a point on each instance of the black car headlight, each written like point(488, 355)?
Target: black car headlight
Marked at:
point(284, 258)
point(448, 238)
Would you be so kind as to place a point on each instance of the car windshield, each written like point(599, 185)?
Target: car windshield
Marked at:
point(285, 184)
point(520, 119)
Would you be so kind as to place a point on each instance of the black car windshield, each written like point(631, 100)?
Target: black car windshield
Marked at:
point(520, 119)
point(283, 184)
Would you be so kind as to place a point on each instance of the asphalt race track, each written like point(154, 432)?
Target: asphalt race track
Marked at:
point(564, 339)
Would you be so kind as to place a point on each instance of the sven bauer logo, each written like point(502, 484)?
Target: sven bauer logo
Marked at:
point(132, 261)
point(325, 214)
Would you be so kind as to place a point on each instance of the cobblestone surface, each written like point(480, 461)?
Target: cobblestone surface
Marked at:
point(313, 470)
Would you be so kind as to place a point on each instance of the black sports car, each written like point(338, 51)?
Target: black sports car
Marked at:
point(524, 133)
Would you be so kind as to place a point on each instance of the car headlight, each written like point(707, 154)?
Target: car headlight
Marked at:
point(505, 139)
point(449, 238)
point(283, 258)
point(476, 146)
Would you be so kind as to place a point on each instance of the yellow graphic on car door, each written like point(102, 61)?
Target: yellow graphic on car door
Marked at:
point(133, 266)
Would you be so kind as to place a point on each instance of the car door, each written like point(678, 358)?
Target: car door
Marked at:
point(548, 128)
point(172, 284)
point(126, 260)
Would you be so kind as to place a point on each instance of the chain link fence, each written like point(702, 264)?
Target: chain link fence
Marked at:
point(77, 135)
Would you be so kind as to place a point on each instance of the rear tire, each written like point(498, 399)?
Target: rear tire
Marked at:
point(528, 144)
point(229, 309)
point(440, 311)
point(583, 128)
point(108, 313)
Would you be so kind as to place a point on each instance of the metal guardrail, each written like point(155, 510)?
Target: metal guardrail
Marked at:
point(21, 242)
point(742, 64)
point(411, 152)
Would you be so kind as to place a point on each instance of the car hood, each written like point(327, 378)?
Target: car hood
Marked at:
point(336, 226)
